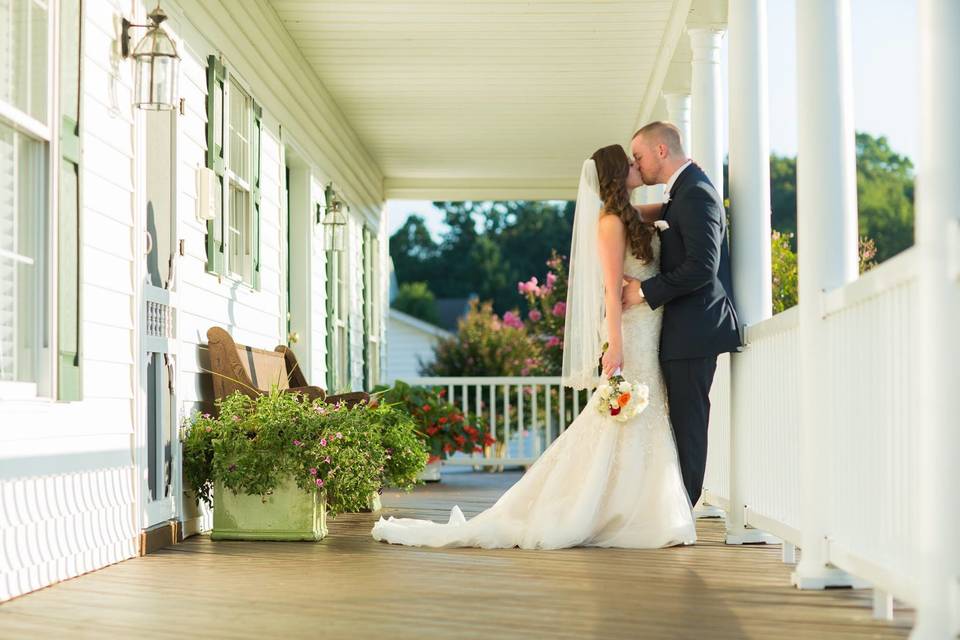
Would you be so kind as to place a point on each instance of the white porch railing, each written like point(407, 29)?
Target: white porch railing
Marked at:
point(869, 448)
point(523, 414)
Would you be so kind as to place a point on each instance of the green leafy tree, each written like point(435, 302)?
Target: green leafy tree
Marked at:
point(416, 299)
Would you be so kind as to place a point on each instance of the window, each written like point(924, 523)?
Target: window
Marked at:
point(371, 310)
point(30, 330)
point(338, 329)
point(23, 236)
point(233, 152)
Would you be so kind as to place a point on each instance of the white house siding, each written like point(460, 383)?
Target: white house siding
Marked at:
point(407, 346)
point(67, 499)
point(69, 485)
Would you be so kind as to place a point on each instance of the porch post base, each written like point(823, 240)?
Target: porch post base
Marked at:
point(745, 535)
point(825, 578)
point(708, 511)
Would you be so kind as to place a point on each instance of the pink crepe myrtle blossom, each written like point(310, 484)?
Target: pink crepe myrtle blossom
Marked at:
point(512, 320)
point(535, 315)
point(554, 341)
point(560, 309)
point(323, 442)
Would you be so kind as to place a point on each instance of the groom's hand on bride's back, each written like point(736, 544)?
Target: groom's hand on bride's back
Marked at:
point(631, 295)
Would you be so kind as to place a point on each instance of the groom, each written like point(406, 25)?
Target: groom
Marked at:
point(694, 287)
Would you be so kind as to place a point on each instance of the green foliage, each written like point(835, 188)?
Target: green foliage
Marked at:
point(784, 267)
point(885, 196)
point(487, 247)
point(485, 345)
point(442, 426)
point(346, 452)
point(416, 299)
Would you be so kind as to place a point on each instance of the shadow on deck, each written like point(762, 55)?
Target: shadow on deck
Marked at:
point(351, 586)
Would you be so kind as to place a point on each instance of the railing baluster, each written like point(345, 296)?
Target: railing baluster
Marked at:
point(547, 433)
point(533, 419)
point(521, 422)
point(506, 421)
point(562, 423)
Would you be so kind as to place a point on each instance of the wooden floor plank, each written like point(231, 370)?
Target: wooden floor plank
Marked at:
point(351, 586)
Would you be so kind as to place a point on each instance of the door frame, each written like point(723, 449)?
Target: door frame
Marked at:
point(153, 514)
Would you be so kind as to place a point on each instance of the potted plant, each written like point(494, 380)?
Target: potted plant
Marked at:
point(274, 466)
point(443, 426)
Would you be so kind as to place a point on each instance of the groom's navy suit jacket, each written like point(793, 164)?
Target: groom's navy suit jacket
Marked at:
point(694, 284)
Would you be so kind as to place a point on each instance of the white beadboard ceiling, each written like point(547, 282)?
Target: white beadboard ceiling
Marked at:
point(472, 99)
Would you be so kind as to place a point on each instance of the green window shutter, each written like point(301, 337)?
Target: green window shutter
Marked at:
point(216, 130)
point(68, 265)
point(68, 373)
point(257, 130)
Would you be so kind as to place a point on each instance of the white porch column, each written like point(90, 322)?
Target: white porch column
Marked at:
point(937, 319)
point(706, 121)
point(750, 212)
point(827, 242)
point(678, 112)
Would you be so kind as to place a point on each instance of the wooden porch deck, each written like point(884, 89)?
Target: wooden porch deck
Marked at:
point(352, 587)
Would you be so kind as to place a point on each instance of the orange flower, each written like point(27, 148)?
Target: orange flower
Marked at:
point(623, 399)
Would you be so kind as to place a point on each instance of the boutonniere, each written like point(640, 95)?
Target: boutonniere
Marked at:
point(661, 225)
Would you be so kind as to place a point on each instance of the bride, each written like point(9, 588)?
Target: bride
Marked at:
point(602, 483)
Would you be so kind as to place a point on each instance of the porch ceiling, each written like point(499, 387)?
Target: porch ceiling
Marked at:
point(475, 99)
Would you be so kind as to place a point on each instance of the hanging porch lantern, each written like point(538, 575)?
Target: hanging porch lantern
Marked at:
point(156, 60)
point(334, 220)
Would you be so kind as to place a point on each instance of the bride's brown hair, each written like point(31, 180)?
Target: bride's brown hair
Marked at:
point(613, 165)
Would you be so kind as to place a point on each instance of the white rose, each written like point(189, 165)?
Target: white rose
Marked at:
point(624, 387)
point(604, 390)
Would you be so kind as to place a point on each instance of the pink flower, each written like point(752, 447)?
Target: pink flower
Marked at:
point(319, 482)
point(327, 459)
point(206, 415)
point(339, 435)
point(297, 443)
point(535, 315)
point(313, 471)
point(323, 442)
point(551, 279)
point(554, 341)
point(560, 309)
point(236, 418)
point(512, 320)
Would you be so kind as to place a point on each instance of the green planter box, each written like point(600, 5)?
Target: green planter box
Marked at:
point(289, 513)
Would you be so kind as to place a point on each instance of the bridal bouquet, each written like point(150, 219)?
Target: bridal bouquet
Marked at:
point(620, 399)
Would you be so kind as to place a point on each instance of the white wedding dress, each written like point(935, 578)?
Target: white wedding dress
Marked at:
point(602, 483)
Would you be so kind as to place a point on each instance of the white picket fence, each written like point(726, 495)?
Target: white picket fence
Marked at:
point(524, 413)
point(869, 449)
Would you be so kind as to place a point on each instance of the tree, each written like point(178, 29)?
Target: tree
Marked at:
point(885, 194)
point(417, 300)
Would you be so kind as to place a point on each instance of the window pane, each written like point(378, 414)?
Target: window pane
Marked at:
point(22, 256)
point(238, 232)
point(241, 119)
point(23, 56)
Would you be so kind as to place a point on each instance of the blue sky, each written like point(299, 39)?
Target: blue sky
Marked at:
point(885, 91)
